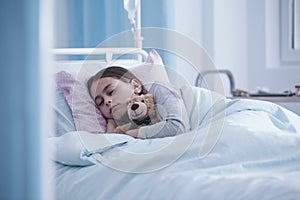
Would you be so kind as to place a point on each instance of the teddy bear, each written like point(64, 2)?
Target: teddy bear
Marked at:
point(141, 111)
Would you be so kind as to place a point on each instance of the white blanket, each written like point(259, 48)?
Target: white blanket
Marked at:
point(237, 149)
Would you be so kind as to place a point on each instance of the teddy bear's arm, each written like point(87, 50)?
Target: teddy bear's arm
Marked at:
point(122, 129)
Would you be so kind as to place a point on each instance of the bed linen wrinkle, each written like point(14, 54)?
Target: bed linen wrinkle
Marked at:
point(248, 161)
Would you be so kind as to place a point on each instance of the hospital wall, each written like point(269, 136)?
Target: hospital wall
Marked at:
point(242, 36)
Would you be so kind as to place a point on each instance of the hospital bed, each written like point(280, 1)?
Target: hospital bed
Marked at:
point(235, 149)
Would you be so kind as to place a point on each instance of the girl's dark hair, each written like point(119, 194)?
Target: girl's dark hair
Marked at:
point(115, 72)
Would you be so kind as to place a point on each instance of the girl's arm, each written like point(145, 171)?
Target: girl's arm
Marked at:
point(111, 125)
point(133, 132)
point(175, 118)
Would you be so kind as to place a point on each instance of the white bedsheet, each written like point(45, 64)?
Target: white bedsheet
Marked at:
point(255, 156)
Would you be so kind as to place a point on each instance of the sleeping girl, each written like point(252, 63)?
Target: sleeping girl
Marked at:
point(112, 87)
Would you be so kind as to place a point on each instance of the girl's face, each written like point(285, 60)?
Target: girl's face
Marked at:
point(111, 96)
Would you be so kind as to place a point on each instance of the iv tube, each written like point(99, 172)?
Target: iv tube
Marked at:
point(131, 6)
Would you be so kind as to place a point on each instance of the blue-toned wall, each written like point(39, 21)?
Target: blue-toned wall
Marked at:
point(19, 107)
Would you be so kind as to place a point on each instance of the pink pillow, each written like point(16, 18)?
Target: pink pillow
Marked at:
point(87, 117)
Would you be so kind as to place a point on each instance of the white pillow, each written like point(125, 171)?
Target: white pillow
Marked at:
point(152, 70)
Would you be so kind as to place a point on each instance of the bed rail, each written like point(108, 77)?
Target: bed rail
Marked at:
point(108, 52)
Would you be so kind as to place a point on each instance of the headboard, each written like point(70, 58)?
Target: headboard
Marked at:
point(88, 57)
point(126, 57)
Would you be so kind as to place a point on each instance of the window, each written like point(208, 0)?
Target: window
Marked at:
point(290, 31)
point(296, 25)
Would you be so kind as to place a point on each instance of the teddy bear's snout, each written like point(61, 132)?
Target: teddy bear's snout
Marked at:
point(134, 106)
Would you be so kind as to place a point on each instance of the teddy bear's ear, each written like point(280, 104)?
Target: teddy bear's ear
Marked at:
point(148, 96)
point(135, 98)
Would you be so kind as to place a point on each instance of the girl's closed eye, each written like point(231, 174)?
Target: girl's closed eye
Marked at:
point(99, 102)
point(110, 92)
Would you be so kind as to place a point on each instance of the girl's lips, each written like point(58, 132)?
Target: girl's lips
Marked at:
point(113, 108)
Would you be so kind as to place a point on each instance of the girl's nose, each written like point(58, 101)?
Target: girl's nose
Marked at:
point(108, 102)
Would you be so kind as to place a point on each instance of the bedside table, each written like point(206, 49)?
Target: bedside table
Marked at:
point(290, 102)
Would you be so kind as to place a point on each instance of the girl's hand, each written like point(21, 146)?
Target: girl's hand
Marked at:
point(111, 125)
point(133, 132)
